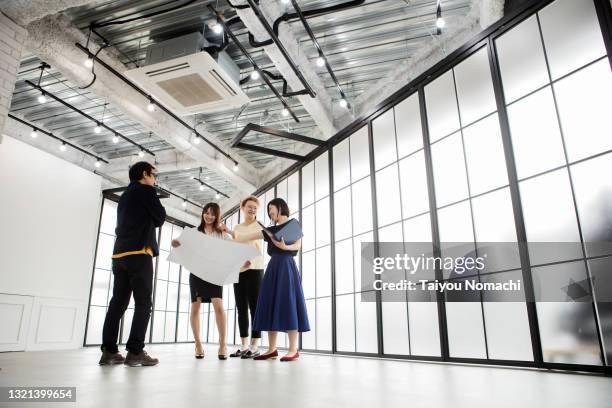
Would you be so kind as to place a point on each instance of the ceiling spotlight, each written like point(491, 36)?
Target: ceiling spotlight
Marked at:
point(320, 61)
point(255, 75)
point(285, 112)
point(62, 147)
point(207, 178)
point(201, 187)
point(343, 103)
point(115, 139)
point(141, 154)
point(184, 204)
point(196, 140)
point(285, 1)
point(217, 28)
point(151, 106)
point(34, 134)
point(98, 129)
point(88, 62)
point(42, 98)
point(440, 23)
point(217, 196)
point(235, 167)
point(97, 163)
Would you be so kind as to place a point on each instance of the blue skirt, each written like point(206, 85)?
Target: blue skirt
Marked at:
point(281, 306)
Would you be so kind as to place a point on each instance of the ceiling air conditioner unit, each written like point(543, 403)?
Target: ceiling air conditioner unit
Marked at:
point(187, 80)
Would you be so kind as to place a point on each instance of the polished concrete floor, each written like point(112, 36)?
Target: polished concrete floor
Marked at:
point(315, 381)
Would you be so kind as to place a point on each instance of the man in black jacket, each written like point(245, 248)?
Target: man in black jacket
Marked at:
point(138, 214)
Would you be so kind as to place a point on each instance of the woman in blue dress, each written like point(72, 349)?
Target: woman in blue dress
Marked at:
point(280, 306)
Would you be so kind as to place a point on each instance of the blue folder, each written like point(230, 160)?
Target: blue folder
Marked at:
point(290, 232)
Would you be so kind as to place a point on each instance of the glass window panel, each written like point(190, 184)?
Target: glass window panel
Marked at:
point(170, 327)
point(362, 206)
point(413, 184)
point(105, 251)
point(344, 266)
point(308, 184)
point(383, 128)
point(281, 190)
point(465, 330)
point(484, 150)
point(262, 210)
point(160, 295)
point(309, 338)
point(342, 169)
point(475, 87)
point(213, 334)
point(176, 231)
point(602, 283)
point(95, 324)
point(536, 139)
point(173, 273)
point(391, 233)
point(521, 60)
point(159, 322)
point(101, 293)
point(418, 229)
point(308, 228)
point(269, 196)
point(584, 101)
point(109, 217)
point(494, 222)
point(408, 126)
point(365, 327)
point(185, 301)
point(593, 191)
point(507, 325)
point(342, 214)
point(166, 236)
point(172, 296)
point(449, 170)
point(321, 176)
point(163, 265)
point(441, 102)
point(368, 237)
point(345, 323)
point(549, 215)
point(323, 259)
point(571, 34)
point(455, 225)
point(204, 327)
point(395, 328)
point(182, 333)
point(127, 325)
point(324, 324)
point(308, 274)
point(322, 222)
point(424, 333)
point(567, 329)
point(388, 195)
point(293, 192)
point(360, 154)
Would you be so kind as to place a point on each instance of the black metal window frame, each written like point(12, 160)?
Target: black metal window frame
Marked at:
point(485, 38)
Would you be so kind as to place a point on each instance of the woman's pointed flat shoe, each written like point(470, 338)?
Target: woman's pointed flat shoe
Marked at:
point(267, 356)
point(291, 358)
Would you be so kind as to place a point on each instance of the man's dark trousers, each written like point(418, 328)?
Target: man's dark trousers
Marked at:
point(132, 274)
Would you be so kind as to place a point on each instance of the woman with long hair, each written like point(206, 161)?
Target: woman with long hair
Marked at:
point(280, 306)
point(206, 292)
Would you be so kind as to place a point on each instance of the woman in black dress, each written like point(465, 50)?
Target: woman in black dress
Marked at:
point(206, 292)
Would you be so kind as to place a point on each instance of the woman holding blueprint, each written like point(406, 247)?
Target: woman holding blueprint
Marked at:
point(202, 291)
point(280, 306)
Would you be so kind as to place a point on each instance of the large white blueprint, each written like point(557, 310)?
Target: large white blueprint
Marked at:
point(214, 260)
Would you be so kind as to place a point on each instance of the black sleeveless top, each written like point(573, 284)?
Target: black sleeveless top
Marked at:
point(273, 249)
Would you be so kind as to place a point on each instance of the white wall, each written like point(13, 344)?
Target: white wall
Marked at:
point(49, 213)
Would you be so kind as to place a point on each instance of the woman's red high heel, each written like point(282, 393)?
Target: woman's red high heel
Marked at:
point(291, 358)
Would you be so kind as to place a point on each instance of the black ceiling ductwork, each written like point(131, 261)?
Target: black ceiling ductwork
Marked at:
point(80, 112)
point(237, 141)
point(252, 61)
point(319, 49)
point(37, 129)
point(281, 47)
point(276, 77)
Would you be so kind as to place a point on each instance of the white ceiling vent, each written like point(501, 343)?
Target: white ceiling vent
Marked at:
point(189, 84)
